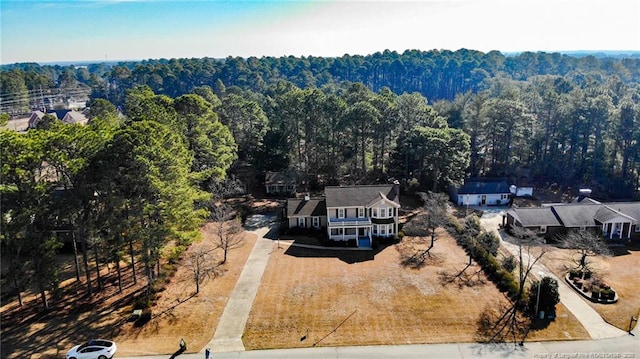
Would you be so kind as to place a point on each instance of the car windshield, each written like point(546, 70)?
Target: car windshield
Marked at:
point(100, 343)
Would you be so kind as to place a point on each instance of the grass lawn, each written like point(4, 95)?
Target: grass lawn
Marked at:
point(621, 271)
point(336, 298)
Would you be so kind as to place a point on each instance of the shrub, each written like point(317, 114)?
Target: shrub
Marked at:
point(595, 294)
point(490, 242)
point(607, 294)
point(575, 273)
point(509, 263)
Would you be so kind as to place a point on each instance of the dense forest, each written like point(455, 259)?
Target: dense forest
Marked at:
point(540, 117)
point(163, 134)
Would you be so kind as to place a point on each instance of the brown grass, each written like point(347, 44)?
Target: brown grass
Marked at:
point(621, 271)
point(330, 297)
point(323, 298)
point(179, 314)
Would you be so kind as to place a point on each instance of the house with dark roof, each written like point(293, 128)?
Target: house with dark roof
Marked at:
point(615, 220)
point(281, 183)
point(482, 192)
point(350, 213)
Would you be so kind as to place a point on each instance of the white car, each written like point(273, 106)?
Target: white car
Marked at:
point(93, 349)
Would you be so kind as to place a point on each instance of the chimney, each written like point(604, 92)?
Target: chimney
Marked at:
point(584, 192)
point(395, 191)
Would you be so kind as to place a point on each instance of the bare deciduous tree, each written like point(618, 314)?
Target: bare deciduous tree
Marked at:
point(227, 234)
point(227, 227)
point(201, 264)
point(586, 244)
point(513, 322)
point(435, 205)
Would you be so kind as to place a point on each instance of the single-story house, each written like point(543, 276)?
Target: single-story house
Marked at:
point(614, 220)
point(350, 212)
point(482, 192)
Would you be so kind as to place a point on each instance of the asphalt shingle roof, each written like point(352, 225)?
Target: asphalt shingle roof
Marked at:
point(576, 215)
point(484, 187)
point(532, 217)
point(306, 208)
point(352, 196)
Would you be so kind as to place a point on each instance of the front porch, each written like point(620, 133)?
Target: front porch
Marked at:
point(350, 229)
point(617, 230)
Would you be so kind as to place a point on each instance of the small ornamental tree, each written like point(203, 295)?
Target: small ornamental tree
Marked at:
point(546, 300)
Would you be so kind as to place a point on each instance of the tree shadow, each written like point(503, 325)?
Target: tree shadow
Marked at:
point(463, 278)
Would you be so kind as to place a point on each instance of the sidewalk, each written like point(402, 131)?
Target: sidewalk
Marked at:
point(590, 319)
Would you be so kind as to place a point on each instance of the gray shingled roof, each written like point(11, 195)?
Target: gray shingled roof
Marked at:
point(484, 187)
point(612, 210)
point(576, 215)
point(303, 208)
point(532, 217)
point(353, 196)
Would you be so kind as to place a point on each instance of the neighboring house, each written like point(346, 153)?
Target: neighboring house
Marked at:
point(350, 213)
point(280, 183)
point(72, 117)
point(482, 192)
point(67, 116)
point(615, 220)
point(36, 116)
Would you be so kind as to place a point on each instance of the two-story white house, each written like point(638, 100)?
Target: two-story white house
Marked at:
point(350, 212)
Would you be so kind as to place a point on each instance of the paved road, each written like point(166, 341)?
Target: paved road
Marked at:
point(622, 347)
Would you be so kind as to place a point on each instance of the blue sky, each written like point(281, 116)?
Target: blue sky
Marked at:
point(56, 30)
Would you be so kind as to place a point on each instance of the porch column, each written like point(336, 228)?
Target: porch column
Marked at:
point(610, 230)
point(629, 232)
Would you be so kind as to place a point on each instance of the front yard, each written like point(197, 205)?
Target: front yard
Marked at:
point(335, 298)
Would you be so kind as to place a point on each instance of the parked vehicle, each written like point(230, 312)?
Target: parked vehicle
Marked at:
point(93, 349)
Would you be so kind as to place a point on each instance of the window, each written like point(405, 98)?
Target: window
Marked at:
point(340, 212)
point(360, 212)
point(543, 229)
point(391, 229)
point(375, 229)
point(375, 213)
point(638, 227)
point(383, 212)
point(316, 222)
point(383, 230)
point(300, 222)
